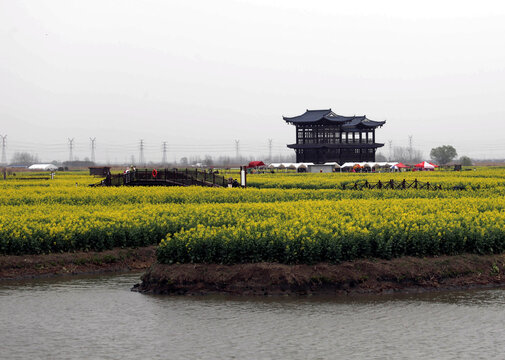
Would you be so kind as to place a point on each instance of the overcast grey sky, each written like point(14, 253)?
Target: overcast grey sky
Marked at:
point(199, 74)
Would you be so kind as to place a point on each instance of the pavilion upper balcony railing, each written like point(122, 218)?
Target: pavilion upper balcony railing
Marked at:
point(334, 141)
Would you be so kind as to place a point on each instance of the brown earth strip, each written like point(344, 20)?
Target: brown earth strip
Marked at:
point(405, 274)
point(116, 260)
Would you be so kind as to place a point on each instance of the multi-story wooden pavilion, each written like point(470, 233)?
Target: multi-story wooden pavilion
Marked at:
point(323, 136)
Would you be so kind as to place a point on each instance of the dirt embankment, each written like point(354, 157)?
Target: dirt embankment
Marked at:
point(30, 266)
point(361, 276)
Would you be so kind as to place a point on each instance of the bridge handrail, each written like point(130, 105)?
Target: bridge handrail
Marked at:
point(187, 176)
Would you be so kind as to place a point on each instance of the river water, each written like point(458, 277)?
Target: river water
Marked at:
point(100, 318)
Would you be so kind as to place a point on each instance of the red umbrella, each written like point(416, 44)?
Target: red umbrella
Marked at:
point(253, 164)
point(401, 166)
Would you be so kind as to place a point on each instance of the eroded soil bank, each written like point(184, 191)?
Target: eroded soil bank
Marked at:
point(407, 274)
point(31, 266)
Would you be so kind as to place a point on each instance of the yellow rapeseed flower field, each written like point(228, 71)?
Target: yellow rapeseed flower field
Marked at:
point(289, 218)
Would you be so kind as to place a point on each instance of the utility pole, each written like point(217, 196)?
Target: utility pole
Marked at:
point(237, 152)
point(141, 155)
point(390, 149)
point(93, 144)
point(70, 149)
point(270, 150)
point(411, 150)
point(4, 145)
point(164, 158)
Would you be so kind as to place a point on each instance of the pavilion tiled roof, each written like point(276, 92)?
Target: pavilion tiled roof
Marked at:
point(348, 122)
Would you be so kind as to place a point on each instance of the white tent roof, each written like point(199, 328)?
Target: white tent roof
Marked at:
point(334, 164)
point(348, 164)
point(302, 165)
point(43, 167)
point(276, 166)
point(289, 165)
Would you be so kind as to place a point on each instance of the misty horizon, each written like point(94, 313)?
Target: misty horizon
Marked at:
point(201, 75)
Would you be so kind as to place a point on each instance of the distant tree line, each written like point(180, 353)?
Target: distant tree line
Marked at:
point(24, 158)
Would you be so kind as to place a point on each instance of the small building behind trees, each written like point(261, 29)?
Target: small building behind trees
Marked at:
point(323, 136)
point(99, 170)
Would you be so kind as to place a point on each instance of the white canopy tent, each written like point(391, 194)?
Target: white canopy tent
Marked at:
point(275, 166)
point(289, 166)
point(334, 164)
point(43, 167)
point(302, 165)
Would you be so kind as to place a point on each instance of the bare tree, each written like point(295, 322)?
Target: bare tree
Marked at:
point(24, 158)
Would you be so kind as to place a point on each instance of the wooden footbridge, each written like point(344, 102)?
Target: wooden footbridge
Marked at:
point(166, 177)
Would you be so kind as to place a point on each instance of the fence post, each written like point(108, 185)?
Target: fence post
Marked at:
point(403, 184)
point(415, 183)
point(428, 185)
point(379, 185)
point(392, 184)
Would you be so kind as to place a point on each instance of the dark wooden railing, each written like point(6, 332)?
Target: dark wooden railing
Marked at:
point(166, 177)
point(392, 184)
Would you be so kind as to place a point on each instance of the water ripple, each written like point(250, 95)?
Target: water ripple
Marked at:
point(99, 318)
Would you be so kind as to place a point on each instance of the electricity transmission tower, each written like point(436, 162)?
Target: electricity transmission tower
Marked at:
point(237, 152)
point(4, 145)
point(93, 144)
point(164, 158)
point(270, 150)
point(390, 149)
point(70, 149)
point(141, 155)
point(411, 150)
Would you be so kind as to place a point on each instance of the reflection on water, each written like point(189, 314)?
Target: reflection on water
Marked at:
point(100, 318)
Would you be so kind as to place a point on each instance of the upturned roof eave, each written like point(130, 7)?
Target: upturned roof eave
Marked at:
point(335, 146)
